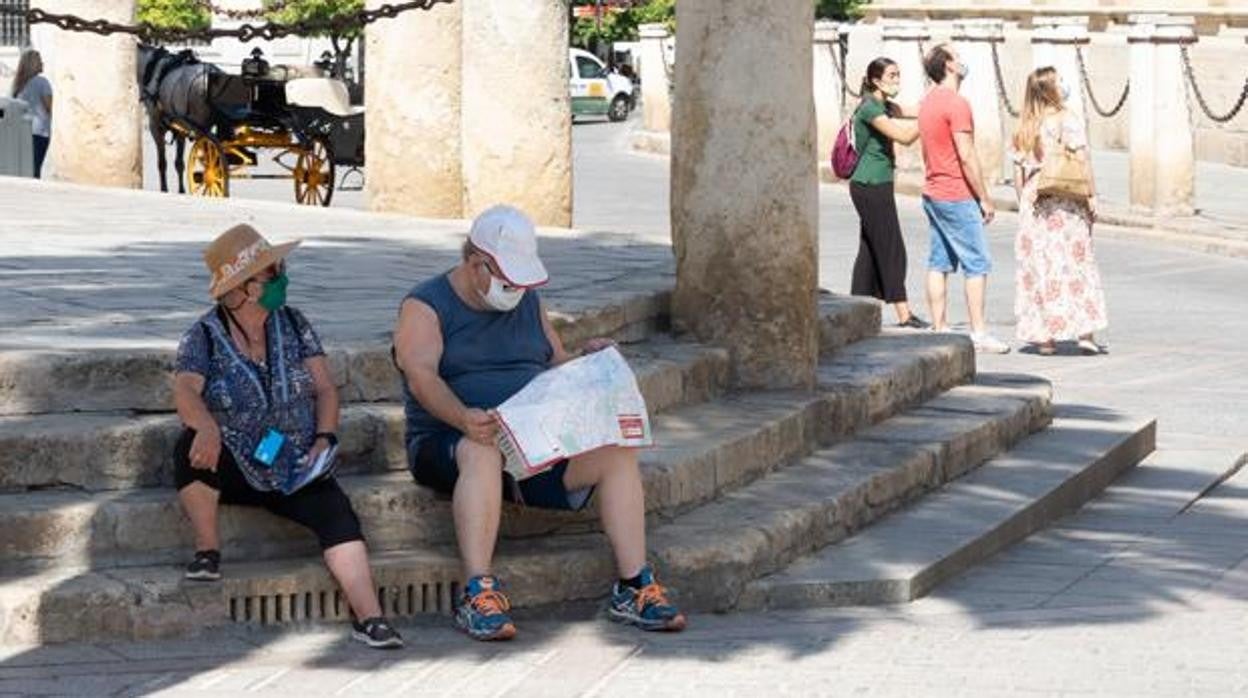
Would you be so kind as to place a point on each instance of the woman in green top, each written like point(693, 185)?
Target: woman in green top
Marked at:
point(880, 270)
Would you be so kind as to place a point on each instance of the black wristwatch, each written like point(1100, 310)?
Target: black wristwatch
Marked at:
point(329, 436)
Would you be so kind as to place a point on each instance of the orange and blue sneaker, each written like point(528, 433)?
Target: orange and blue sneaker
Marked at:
point(645, 606)
point(482, 611)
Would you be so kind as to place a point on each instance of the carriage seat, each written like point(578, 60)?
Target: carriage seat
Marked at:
point(327, 93)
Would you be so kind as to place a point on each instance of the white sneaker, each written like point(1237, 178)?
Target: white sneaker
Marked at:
point(987, 344)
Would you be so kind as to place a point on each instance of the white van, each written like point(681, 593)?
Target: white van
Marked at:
point(594, 90)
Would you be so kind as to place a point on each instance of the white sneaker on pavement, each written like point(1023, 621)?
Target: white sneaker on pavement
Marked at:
point(987, 344)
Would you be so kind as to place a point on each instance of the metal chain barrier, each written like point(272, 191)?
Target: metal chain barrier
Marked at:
point(1000, 78)
point(833, 50)
point(245, 33)
point(1087, 88)
point(1200, 97)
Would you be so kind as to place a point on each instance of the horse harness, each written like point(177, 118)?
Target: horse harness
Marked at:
point(162, 64)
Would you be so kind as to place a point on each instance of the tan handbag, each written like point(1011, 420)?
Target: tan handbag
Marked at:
point(1063, 175)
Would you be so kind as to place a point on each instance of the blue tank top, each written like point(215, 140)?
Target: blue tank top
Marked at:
point(487, 356)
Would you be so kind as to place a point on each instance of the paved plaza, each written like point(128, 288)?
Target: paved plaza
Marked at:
point(1142, 593)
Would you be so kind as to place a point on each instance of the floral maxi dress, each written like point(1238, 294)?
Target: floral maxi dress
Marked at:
point(1058, 293)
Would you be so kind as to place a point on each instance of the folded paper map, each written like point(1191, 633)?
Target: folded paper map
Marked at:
point(586, 403)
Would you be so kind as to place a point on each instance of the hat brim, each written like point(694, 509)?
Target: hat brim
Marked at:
point(268, 258)
point(526, 272)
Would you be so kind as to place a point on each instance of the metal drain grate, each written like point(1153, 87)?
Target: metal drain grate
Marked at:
point(396, 600)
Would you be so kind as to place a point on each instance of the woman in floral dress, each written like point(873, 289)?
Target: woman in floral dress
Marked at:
point(1058, 287)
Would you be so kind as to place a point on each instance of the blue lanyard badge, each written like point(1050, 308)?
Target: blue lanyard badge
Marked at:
point(268, 448)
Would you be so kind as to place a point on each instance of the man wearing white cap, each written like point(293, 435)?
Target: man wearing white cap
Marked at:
point(465, 342)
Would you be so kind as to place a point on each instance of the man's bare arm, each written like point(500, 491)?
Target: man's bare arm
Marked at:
point(418, 351)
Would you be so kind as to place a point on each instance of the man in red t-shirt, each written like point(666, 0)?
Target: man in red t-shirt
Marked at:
point(955, 198)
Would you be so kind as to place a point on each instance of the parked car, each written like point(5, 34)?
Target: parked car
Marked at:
point(596, 91)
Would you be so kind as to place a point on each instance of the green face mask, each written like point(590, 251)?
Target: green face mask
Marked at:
point(274, 294)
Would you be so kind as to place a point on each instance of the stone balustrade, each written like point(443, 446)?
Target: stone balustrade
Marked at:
point(1130, 86)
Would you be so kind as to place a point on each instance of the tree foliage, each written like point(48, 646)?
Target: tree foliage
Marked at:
point(838, 9)
point(620, 20)
point(291, 11)
point(181, 15)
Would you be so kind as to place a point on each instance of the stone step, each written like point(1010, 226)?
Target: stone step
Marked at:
point(708, 554)
point(909, 553)
point(103, 380)
point(138, 380)
point(106, 450)
point(703, 451)
point(110, 451)
point(844, 320)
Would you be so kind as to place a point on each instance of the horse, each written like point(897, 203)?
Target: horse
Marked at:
point(174, 89)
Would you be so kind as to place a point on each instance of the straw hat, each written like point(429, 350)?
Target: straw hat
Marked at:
point(239, 254)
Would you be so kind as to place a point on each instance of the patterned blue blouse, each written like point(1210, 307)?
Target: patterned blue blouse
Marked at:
point(249, 398)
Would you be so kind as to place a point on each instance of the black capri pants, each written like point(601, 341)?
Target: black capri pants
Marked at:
point(321, 506)
point(880, 270)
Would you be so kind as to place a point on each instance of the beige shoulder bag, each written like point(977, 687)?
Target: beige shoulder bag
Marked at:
point(1063, 175)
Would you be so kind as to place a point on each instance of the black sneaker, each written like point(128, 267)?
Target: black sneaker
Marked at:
point(376, 633)
point(206, 567)
point(915, 322)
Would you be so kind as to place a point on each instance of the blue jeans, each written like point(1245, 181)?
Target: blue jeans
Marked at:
point(957, 237)
point(41, 151)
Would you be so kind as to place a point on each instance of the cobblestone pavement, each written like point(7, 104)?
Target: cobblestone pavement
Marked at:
point(1129, 597)
point(121, 269)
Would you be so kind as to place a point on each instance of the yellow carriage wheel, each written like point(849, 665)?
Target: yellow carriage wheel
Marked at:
point(314, 174)
point(206, 171)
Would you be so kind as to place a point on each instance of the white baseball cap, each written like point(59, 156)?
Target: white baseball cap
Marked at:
point(508, 237)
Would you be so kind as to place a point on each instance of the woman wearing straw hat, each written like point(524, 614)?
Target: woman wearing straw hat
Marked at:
point(254, 390)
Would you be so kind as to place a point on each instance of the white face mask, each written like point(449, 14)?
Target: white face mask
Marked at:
point(1063, 89)
point(501, 299)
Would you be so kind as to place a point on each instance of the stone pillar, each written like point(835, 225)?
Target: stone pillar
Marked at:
point(656, 86)
point(1053, 43)
point(1140, 105)
point(97, 122)
point(1173, 142)
point(904, 42)
point(413, 115)
point(975, 39)
point(744, 193)
point(828, 89)
point(517, 115)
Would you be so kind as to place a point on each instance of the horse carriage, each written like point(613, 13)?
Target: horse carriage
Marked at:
point(229, 119)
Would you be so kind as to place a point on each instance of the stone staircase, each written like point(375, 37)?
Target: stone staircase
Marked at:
point(755, 499)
